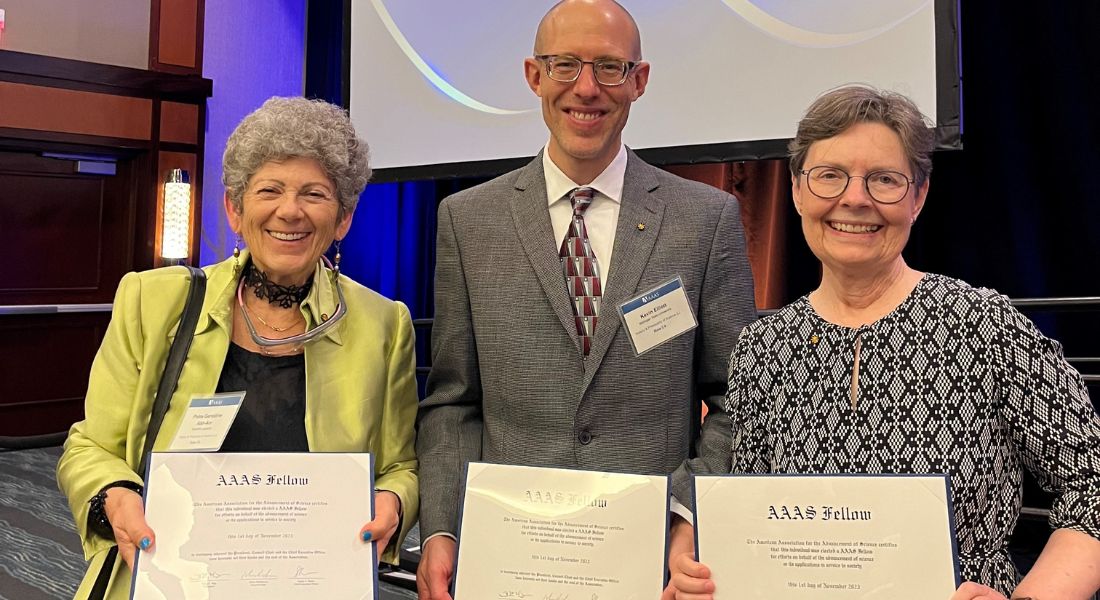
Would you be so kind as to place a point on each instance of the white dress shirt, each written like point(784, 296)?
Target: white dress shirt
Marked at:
point(602, 215)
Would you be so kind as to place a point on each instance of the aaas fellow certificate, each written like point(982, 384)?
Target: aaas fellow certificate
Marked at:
point(850, 537)
point(273, 526)
point(531, 533)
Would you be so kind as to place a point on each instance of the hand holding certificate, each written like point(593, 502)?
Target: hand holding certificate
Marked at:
point(249, 525)
point(830, 537)
point(531, 533)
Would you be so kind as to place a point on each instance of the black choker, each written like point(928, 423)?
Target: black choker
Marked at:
point(283, 295)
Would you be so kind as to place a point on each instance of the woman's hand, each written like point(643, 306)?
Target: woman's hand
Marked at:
point(126, 512)
point(387, 516)
point(976, 591)
point(689, 580)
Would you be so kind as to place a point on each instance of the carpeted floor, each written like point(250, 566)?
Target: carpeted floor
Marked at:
point(40, 557)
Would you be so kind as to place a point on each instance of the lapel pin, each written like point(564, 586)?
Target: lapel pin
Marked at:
point(641, 226)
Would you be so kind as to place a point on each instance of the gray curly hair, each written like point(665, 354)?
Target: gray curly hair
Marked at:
point(837, 110)
point(296, 127)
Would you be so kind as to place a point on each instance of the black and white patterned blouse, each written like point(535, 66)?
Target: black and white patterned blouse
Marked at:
point(955, 380)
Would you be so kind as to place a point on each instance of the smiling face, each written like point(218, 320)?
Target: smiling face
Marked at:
point(585, 118)
point(290, 216)
point(853, 233)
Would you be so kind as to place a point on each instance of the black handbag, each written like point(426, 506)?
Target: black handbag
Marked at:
point(177, 355)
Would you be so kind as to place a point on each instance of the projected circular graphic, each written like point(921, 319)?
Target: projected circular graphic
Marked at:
point(461, 64)
point(825, 24)
point(468, 70)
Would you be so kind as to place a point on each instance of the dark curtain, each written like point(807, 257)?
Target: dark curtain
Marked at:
point(1017, 209)
point(763, 188)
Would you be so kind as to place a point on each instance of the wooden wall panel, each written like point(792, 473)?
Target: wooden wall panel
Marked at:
point(111, 32)
point(70, 111)
point(177, 34)
point(64, 221)
point(72, 230)
point(44, 365)
point(179, 122)
point(75, 235)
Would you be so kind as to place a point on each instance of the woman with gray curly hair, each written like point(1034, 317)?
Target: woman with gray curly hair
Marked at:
point(293, 172)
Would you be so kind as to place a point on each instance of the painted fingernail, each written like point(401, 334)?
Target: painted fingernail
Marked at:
point(145, 543)
point(366, 536)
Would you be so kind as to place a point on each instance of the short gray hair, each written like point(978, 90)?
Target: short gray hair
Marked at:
point(835, 111)
point(291, 128)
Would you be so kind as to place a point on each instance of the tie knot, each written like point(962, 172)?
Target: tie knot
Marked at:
point(580, 198)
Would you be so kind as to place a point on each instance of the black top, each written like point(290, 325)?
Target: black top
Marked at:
point(272, 416)
point(955, 380)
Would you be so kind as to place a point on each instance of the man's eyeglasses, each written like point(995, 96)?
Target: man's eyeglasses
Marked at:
point(884, 187)
point(566, 69)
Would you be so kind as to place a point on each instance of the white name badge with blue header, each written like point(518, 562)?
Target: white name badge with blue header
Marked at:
point(658, 315)
point(206, 422)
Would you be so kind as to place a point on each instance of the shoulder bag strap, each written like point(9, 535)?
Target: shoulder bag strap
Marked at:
point(177, 355)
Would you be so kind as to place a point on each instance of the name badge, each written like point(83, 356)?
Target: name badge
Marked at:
point(206, 422)
point(657, 316)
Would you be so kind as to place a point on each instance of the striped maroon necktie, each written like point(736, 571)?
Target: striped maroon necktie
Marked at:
point(582, 273)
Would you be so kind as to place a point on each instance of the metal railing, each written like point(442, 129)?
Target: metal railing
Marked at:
point(41, 309)
point(1069, 302)
point(1065, 303)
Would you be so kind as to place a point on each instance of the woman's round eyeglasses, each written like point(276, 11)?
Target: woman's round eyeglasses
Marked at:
point(884, 187)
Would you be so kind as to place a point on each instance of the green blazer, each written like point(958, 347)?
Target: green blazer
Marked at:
point(360, 389)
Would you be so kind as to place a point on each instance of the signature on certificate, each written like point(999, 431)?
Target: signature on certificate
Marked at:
point(258, 575)
point(208, 576)
point(301, 573)
point(513, 595)
point(553, 596)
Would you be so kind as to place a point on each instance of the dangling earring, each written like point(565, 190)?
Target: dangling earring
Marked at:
point(237, 256)
point(336, 259)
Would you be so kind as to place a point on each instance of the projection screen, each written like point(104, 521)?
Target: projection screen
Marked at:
point(437, 87)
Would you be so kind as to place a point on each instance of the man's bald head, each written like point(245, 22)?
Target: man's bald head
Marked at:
point(566, 12)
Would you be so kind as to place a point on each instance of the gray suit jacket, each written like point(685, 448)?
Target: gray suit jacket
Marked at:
point(508, 383)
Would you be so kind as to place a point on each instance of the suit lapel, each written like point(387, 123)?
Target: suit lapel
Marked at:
point(536, 235)
point(631, 255)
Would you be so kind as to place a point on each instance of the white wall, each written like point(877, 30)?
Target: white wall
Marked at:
point(113, 32)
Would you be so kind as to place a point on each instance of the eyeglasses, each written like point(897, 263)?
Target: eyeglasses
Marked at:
point(566, 69)
point(884, 187)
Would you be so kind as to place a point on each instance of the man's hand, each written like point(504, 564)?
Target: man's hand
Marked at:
point(689, 580)
point(126, 512)
point(437, 565)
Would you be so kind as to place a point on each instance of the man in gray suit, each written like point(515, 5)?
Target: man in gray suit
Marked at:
point(530, 361)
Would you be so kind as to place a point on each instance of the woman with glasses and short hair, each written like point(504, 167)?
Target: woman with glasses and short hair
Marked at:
point(885, 369)
point(327, 364)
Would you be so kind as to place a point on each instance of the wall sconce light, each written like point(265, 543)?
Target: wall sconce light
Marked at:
point(176, 219)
